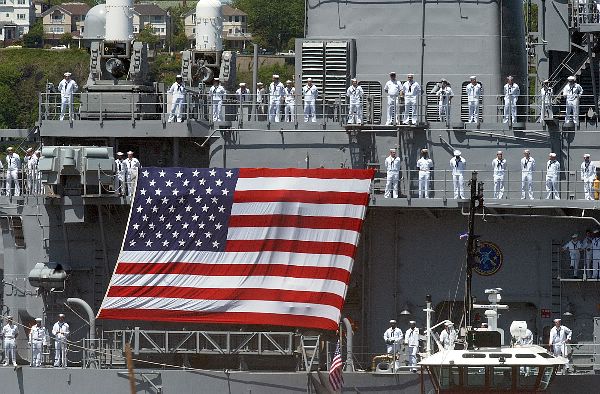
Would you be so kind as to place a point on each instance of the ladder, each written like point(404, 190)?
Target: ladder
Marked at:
point(556, 285)
point(310, 351)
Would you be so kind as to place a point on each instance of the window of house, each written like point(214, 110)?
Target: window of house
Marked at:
point(193, 30)
point(57, 29)
point(21, 17)
point(135, 29)
point(237, 18)
point(230, 31)
point(3, 2)
point(230, 18)
point(21, 2)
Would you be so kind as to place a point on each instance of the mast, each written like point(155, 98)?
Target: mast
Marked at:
point(476, 196)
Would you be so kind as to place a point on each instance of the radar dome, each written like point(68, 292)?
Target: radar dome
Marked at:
point(209, 25)
point(94, 23)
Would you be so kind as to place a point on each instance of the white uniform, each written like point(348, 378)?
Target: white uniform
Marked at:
point(9, 333)
point(458, 168)
point(411, 339)
point(527, 169)
point(290, 103)
point(511, 95)
point(572, 92)
point(448, 338)
point(38, 339)
point(586, 246)
point(546, 100)
point(120, 176)
point(34, 177)
point(392, 88)
point(474, 93)
point(310, 94)
point(261, 103)
point(411, 92)
point(67, 88)
point(393, 339)
point(275, 99)
point(595, 258)
point(245, 99)
point(424, 165)
point(217, 95)
point(13, 165)
point(445, 95)
point(392, 166)
point(552, 176)
point(499, 167)
point(355, 94)
point(527, 339)
point(177, 92)
point(588, 173)
point(574, 247)
point(558, 341)
point(60, 331)
point(131, 166)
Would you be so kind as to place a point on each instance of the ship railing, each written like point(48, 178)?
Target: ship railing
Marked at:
point(566, 185)
point(580, 268)
point(584, 357)
point(583, 12)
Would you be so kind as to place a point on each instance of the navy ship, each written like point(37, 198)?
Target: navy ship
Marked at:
point(410, 247)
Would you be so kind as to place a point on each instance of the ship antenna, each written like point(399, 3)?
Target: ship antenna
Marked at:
point(476, 196)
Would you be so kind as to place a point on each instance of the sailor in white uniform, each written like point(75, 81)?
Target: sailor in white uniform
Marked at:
point(393, 338)
point(527, 169)
point(276, 94)
point(217, 95)
point(546, 100)
point(393, 89)
point(411, 339)
point(458, 164)
point(177, 92)
point(411, 91)
point(559, 337)
point(448, 336)
point(290, 101)
point(572, 92)
point(511, 95)
point(499, 166)
point(244, 98)
point(425, 166)
point(586, 246)
point(132, 165)
point(261, 101)
point(37, 339)
point(67, 87)
point(595, 256)
point(392, 167)
point(310, 94)
point(552, 177)
point(9, 333)
point(34, 177)
point(445, 95)
point(474, 92)
point(13, 165)
point(60, 331)
point(588, 174)
point(574, 247)
point(355, 94)
point(120, 174)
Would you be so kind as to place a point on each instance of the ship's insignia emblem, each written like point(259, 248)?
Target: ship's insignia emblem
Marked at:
point(489, 259)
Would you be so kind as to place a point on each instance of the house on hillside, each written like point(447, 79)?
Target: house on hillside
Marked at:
point(64, 18)
point(235, 28)
point(144, 14)
point(16, 16)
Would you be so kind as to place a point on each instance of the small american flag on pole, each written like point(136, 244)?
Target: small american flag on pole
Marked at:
point(239, 246)
point(335, 372)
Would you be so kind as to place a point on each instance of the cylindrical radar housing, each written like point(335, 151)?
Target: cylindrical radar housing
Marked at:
point(209, 25)
point(94, 23)
point(119, 20)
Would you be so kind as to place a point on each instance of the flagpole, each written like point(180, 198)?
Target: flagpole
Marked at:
point(476, 196)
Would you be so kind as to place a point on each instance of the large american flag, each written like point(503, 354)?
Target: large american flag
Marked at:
point(335, 371)
point(239, 246)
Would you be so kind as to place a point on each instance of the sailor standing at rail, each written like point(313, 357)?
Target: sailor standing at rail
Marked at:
point(499, 166)
point(448, 336)
point(586, 246)
point(37, 339)
point(546, 99)
point(261, 101)
point(392, 88)
point(425, 166)
point(392, 166)
point(217, 95)
point(120, 174)
point(574, 248)
point(355, 94)
point(33, 176)
point(445, 95)
point(177, 92)
point(511, 95)
point(290, 101)
point(588, 173)
point(13, 165)
point(411, 339)
point(411, 90)
point(595, 255)
point(245, 99)
point(276, 93)
point(559, 337)
point(393, 338)
point(552, 176)
point(572, 92)
point(132, 165)
point(458, 164)
point(67, 87)
point(527, 168)
point(310, 94)
point(474, 92)
point(9, 333)
point(60, 331)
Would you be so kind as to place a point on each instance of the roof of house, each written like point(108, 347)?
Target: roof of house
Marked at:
point(69, 8)
point(148, 9)
point(229, 10)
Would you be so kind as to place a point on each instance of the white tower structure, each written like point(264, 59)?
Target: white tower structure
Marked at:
point(119, 20)
point(209, 25)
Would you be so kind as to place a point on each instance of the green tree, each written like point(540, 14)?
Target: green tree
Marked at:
point(147, 36)
point(273, 23)
point(66, 39)
point(35, 37)
point(178, 40)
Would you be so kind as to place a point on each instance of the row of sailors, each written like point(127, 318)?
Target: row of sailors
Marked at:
point(126, 171)
point(589, 245)
point(13, 164)
point(458, 165)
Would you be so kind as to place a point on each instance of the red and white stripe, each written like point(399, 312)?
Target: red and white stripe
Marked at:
point(290, 247)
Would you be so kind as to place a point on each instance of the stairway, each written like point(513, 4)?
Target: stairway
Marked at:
point(310, 351)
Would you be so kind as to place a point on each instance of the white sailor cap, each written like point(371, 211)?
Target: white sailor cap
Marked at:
point(130, 152)
point(557, 320)
point(61, 315)
point(574, 236)
point(216, 79)
point(178, 76)
point(392, 150)
point(308, 79)
point(259, 84)
point(275, 76)
point(410, 75)
point(545, 81)
point(392, 72)
point(509, 77)
point(484, 324)
point(29, 150)
point(392, 321)
point(412, 322)
point(424, 150)
point(354, 80)
point(67, 74)
point(586, 155)
point(288, 82)
point(443, 80)
point(119, 153)
point(448, 324)
point(457, 153)
point(499, 152)
point(242, 83)
point(526, 151)
point(37, 151)
point(9, 317)
point(38, 319)
point(596, 231)
point(571, 78)
point(473, 77)
point(552, 154)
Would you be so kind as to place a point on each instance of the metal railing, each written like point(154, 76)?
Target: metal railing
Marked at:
point(27, 182)
point(583, 12)
point(567, 185)
point(579, 268)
